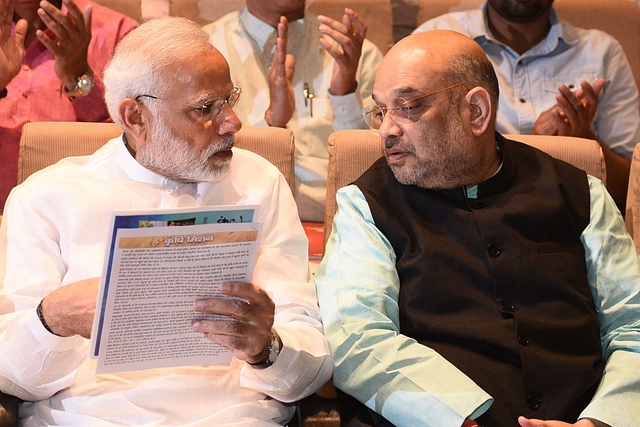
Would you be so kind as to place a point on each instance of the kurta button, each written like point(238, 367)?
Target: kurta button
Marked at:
point(507, 306)
point(533, 402)
point(522, 100)
point(494, 250)
point(523, 340)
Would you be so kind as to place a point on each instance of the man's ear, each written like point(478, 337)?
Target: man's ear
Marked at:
point(481, 110)
point(134, 119)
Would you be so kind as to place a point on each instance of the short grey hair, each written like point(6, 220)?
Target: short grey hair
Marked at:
point(144, 54)
point(473, 69)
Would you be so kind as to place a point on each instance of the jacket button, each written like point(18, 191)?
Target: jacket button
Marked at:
point(494, 250)
point(533, 402)
point(476, 205)
point(523, 340)
point(507, 306)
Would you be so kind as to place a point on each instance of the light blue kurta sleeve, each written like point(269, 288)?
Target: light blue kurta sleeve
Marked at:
point(358, 287)
point(614, 274)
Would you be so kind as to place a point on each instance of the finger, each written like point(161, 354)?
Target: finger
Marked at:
point(360, 27)
point(48, 43)
point(247, 344)
point(53, 19)
point(335, 30)
point(248, 291)
point(283, 29)
point(289, 67)
point(87, 15)
point(279, 58)
point(237, 309)
point(20, 33)
point(75, 13)
point(598, 85)
point(7, 7)
point(570, 97)
point(590, 100)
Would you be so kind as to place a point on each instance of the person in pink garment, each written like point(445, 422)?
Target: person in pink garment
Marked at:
point(52, 54)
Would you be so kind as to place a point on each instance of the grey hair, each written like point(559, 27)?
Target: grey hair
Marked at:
point(473, 69)
point(142, 56)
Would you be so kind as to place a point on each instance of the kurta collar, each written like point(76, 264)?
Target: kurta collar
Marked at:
point(264, 34)
point(137, 172)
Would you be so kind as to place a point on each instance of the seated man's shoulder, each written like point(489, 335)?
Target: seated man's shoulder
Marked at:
point(70, 171)
point(589, 36)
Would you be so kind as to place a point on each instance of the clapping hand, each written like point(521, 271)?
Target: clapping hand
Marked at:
point(11, 47)
point(349, 35)
point(573, 113)
point(72, 34)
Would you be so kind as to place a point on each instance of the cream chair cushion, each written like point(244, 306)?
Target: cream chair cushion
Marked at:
point(351, 152)
point(44, 143)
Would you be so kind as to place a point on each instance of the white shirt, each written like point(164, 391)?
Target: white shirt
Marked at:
point(529, 82)
point(248, 45)
point(54, 232)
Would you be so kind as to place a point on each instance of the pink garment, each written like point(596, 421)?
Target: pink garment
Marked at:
point(34, 94)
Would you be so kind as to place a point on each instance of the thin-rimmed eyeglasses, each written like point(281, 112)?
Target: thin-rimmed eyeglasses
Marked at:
point(408, 111)
point(210, 109)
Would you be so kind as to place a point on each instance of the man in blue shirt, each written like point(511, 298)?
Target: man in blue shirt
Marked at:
point(556, 79)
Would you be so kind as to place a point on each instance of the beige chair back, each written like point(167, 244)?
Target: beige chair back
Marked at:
point(44, 143)
point(632, 214)
point(351, 152)
point(619, 18)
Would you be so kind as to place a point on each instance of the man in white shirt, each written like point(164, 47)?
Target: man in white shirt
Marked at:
point(556, 79)
point(172, 94)
point(304, 72)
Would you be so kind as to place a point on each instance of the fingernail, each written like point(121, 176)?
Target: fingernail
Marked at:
point(199, 304)
point(225, 287)
point(196, 324)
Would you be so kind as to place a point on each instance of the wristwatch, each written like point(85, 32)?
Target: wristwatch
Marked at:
point(274, 351)
point(84, 85)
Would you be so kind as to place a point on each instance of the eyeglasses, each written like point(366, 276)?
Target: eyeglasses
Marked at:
point(409, 111)
point(210, 109)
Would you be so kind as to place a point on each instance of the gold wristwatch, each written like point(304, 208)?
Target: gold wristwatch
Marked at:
point(274, 351)
point(84, 85)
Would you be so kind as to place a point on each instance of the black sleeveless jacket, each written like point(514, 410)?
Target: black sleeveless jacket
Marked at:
point(498, 284)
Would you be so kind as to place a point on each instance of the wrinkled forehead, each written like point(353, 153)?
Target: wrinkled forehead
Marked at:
point(406, 76)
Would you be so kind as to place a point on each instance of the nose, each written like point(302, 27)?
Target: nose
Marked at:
point(230, 120)
point(389, 127)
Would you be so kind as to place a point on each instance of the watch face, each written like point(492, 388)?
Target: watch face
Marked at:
point(85, 84)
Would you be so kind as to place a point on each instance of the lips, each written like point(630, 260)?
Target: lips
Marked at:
point(394, 155)
point(225, 153)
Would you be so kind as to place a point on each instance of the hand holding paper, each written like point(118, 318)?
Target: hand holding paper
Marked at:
point(248, 330)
